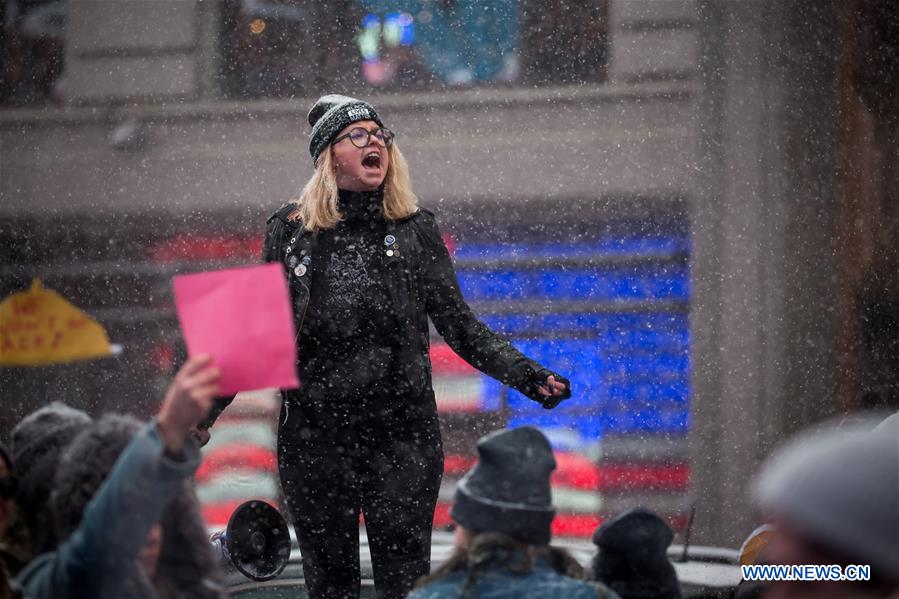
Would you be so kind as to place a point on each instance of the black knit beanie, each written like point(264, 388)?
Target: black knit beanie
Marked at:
point(632, 557)
point(330, 114)
point(508, 489)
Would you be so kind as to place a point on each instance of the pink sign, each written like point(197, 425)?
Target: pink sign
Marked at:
point(242, 317)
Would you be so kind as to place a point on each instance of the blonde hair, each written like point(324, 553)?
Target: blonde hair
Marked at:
point(317, 204)
point(471, 556)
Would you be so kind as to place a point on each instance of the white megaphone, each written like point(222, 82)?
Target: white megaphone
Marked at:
point(256, 541)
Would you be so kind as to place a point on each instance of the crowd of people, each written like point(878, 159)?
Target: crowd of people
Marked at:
point(106, 508)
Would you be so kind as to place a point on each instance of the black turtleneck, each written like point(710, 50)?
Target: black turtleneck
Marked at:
point(348, 344)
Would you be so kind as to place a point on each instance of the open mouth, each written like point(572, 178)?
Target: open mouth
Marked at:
point(372, 160)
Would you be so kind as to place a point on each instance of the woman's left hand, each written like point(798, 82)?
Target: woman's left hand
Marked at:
point(552, 387)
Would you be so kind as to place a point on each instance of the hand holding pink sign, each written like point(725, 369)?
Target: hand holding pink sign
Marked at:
point(242, 317)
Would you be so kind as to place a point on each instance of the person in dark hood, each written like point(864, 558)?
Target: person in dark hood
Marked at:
point(632, 556)
point(112, 488)
point(503, 513)
point(37, 442)
point(366, 268)
point(831, 495)
point(8, 487)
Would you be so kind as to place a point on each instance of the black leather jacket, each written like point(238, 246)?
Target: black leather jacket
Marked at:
point(421, 280)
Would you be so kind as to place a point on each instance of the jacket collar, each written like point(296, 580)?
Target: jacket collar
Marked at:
point(361, 205)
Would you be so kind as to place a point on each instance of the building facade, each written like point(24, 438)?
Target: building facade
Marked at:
point(756, 123)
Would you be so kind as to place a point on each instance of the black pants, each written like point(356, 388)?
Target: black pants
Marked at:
point(391, 476)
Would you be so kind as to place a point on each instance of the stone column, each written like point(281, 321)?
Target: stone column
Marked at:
point(763, 256)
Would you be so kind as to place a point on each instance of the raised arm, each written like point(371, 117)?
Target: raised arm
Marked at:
point(96, 560)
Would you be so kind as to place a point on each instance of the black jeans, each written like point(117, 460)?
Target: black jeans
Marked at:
point(391, 476)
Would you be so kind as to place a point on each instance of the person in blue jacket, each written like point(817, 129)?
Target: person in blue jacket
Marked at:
point(503, 513)
point(97, 559)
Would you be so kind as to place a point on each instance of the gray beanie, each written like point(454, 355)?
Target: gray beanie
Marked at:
point(330, 114)
point(45, 431)
point(84, 465)
point(508, 489)
point(840, 489)
point(37, 443)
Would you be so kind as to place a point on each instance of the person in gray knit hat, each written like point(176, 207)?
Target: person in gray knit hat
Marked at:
point(832, 497)
point(508, 490)
point(37, 442)
point(503, 513)
point(366, 269)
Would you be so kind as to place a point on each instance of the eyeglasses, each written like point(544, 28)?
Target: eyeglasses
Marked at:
point(361, 137)
point(9, 485)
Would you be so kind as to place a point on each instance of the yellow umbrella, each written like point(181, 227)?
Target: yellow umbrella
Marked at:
point(39, 327)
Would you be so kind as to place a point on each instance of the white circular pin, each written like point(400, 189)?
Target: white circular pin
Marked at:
point(300, 270)
point(390, 252)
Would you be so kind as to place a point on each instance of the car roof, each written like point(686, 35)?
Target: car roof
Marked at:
point(704, 569)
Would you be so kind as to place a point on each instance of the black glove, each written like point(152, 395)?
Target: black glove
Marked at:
point(218, 406)
point(539, 380)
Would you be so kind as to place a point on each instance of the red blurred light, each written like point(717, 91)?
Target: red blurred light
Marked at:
point(564, 525)
point(575, 471)
point(575, 525)
point(447, 362)
point(250, 457)
point(450, 244)
point(644, 476)
point(441, 515)
point(457, 465)
point(203, 248)
point(218, 514)
point(678, 522)
point(162, 357)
